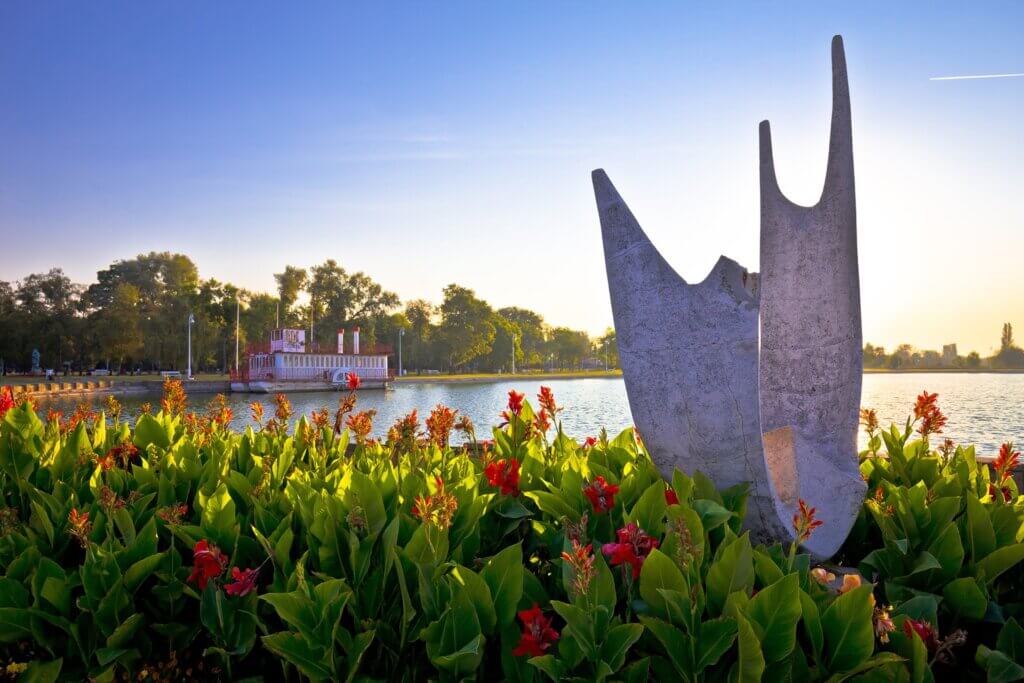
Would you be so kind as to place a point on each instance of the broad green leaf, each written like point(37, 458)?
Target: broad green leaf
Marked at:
point(774, 613)
point(750, 664)
point(617, 643)
point(660, 572)
point(848, 630)
point(999, 560)
point(716, 637)
point(732, 571)
point(965, 599)
point(503, 574)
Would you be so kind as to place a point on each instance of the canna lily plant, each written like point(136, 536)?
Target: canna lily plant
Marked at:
point(304, 548)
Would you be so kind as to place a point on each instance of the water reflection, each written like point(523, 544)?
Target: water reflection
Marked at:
point(984, 409)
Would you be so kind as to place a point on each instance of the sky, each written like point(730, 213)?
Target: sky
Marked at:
point(430, 143)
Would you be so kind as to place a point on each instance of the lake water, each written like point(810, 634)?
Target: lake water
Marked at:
point(983, 409)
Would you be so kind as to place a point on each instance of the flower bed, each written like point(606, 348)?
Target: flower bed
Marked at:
point(179, 550)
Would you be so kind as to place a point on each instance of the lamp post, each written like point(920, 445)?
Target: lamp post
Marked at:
point(401, 333)
point(191, 321)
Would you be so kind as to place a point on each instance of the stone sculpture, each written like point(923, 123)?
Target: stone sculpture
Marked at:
point(777, 409)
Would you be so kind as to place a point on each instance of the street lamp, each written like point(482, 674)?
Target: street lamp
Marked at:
point(401, 333)
point(191, 321)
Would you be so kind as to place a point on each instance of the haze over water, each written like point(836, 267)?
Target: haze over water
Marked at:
point(983, 409)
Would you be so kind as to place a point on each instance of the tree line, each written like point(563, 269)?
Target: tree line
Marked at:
point(134, 318)
point(1009, 356)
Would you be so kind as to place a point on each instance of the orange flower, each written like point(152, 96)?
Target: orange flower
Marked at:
point(581, 561)
point(283, 411)
point(540, 421)
point(175, 399)
point(1006, 462)
point(804, 522)
point(438, 509)
point(927, 411)
point(439, 424)
point(869, 420)
point(547, 401)
point(256, 410)
point(361, 424)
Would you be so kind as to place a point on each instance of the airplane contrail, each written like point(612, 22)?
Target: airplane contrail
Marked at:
point(969, 78)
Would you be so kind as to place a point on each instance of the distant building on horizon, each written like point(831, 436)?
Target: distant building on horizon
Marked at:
point(949, 355)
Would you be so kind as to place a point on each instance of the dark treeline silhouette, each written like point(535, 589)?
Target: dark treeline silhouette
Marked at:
point(134, 318)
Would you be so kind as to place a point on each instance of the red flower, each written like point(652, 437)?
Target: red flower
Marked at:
point(1004, 491)
point(547, 401)
point(537, 635)
point(924, 630)
point(926, 410)
point(243, 582)
point(804, 522)
point(352, 381)
point(540, 421)
point(515, 402)
point(633, 547)
point(1007, 462)
point(208, 562)
point(590, 442)
point(6, 400)
point(670, 497)
point(601, 494)
point(504, 474)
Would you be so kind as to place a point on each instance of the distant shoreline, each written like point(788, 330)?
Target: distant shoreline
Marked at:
point(955, 371)
point(505, 377)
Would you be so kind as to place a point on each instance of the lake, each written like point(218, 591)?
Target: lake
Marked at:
point(983, 409)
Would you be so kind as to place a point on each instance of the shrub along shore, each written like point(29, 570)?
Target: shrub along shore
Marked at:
point(178, 549)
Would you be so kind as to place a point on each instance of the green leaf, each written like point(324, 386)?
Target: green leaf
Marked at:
point(660, 572)
point(1000, 668)
point(123, 634)
point(981, 537)
point(716, 637)
point(1011, 640)
point(148, 430)
point(750, 665)
point(617, 643)
point(291, 646)
point(42, 672)
point(998, 561)
point(732, 571)
point(503, 574)
point(140, 571)
point(775, 611)
point(965, 599)
point(649, 511)
point(848, 630)
point(676, 645)
point(479, 594)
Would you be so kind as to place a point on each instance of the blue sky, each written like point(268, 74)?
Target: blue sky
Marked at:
point(427, 143)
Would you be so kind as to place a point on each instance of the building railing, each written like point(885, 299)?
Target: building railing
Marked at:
point(306, 374)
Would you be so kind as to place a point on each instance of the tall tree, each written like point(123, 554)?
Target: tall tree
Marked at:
point(467, 329)
point(342, 299)
point(117, 326)
point(290, 284)
point(532, 333)
point(416, 346)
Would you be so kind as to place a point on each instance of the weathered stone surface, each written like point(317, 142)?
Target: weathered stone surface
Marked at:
point(782, 417)
point(811, 350)
point(689, 357)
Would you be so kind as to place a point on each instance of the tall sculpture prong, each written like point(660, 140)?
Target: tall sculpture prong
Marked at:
point(811, 355)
